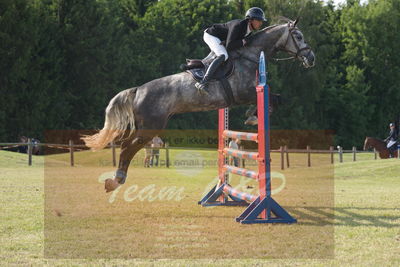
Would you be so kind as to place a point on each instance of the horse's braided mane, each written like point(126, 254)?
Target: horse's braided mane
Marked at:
point(280, 19)
point(284, 19)
point(268, 28)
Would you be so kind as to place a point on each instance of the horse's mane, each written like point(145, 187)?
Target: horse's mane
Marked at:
point(376, 139)
point(284, 19)
point(280, 19)
point(267, 29)
point(270, 28)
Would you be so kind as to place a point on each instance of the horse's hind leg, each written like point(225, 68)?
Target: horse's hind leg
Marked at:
point(129, 147)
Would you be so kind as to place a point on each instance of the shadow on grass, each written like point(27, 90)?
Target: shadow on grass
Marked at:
point(346, 216)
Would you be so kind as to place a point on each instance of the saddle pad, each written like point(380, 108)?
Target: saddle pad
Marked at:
point(224, 71)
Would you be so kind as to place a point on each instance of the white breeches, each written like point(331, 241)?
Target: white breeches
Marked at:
point(391, 143)
point(215, 45)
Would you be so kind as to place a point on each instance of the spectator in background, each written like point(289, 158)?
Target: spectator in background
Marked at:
point(147, 155)
point(234, 144)
point(36, 149)
point(157, 143)
point(23, 149)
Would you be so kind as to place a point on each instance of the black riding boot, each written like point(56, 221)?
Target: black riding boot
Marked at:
point(201, 86)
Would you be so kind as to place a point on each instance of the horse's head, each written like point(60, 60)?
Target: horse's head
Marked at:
point(293, 42)
point(288, 38)
point(371, 142)
point(367, 145)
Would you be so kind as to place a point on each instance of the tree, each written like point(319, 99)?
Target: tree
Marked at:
point(372, 68)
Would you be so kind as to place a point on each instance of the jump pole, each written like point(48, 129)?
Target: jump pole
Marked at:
point(263, 208)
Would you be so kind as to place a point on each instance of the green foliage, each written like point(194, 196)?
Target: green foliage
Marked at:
point(63, 60)
point(372, 72)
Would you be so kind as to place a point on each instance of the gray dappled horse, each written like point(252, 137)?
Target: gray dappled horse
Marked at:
point(137, 114)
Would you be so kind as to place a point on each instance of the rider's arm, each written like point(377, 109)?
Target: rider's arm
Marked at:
point(391, 135)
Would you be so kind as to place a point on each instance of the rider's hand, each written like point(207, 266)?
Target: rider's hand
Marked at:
point(247, 40)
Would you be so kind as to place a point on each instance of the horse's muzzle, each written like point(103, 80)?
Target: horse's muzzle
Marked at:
point(308, 59)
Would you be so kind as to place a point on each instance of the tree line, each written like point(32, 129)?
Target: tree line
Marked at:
point(63, 60)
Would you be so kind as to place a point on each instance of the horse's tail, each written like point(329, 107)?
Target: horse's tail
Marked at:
point(119, 115)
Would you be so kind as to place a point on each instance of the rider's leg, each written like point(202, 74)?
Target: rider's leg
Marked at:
point(222, 55)
point(393, 150)
point(210, 72)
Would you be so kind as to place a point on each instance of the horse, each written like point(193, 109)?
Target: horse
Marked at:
point(36, 149)
point(380, 146)
point(134, 116)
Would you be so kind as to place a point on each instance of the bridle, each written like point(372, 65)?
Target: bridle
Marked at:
point(278, 46)
point(295, 54)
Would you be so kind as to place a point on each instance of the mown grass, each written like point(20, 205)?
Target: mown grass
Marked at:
point(53, 214)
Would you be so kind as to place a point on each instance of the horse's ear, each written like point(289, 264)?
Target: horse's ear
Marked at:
point(296, 21)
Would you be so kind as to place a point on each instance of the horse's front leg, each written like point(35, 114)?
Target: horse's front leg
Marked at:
point(129, 147)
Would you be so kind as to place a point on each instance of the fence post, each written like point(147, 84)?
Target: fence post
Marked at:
point(287, 157)
point(375, 155)
point(282, 158)
point(308, 156)
point(71, 152)
point(114, 159)
point(167, 154)
point(30, 148)
point(332, 154)
point(354, 153)
point(340, 154)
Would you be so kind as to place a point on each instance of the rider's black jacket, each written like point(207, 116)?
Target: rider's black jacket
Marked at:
point(231, 32)
point(392, 135)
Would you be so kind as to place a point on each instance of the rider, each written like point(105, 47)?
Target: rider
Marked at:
point(235, 34)
point(391, 140)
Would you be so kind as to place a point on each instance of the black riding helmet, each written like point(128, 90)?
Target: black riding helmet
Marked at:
point(255, 13)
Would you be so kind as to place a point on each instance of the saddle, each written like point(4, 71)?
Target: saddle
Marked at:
point(198, 68)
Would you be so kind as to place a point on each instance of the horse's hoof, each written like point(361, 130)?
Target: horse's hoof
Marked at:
point(111, 185)
point(252, 120)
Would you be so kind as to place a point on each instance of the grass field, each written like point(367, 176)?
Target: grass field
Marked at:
point(57, 215)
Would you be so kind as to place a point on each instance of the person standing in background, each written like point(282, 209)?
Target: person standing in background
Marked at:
point(157, 143)
point(234, 144)
point(147, 155)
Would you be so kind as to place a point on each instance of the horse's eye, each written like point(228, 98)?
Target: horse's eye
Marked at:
point(299, 38)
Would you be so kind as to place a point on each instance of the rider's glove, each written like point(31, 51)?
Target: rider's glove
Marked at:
point(247, 40)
